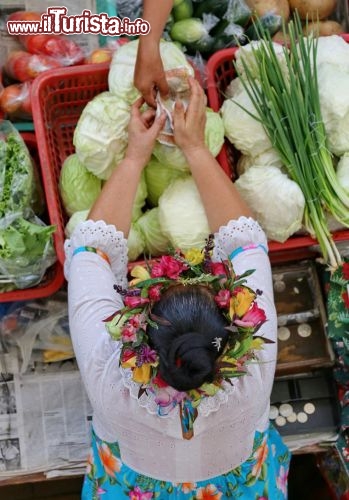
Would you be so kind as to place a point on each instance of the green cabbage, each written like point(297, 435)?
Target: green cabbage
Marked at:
point(135, 242)
point(101, 134)
point(74, 220)
point(121, 71)
point(214, 138)
point(182, 215)
point(281, 214)
point(77, 186)
point(158, 177)
point(245, 132)
point(156, 243)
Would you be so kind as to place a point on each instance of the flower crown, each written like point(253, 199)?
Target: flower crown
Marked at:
point(236, 301)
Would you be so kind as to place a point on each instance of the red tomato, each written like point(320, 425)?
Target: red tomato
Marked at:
point(67, 51)
point(10, 100)
point(16, 65)
point(35, 44)
point(26, 103)
point(39, 63)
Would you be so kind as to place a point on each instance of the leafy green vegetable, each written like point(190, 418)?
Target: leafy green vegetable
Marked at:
point(17, 180)
point(156, 243)
point(78, 187)
point(26, 251)
point(158, 177)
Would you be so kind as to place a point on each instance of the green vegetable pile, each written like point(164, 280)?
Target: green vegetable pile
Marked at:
point(26, 249)
point(206, 26)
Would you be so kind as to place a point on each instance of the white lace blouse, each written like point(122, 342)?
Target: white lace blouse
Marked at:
point(226, 424)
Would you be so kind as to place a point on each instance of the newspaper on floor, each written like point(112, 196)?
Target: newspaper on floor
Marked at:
point(45, 420)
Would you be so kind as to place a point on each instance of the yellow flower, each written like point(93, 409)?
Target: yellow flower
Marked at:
point(194, 256)
point(130, 363)
point(140, 274)
point(141, 374)
point(257, 344)
point(241, 301)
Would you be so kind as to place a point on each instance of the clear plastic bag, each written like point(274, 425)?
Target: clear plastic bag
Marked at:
point(26, 247)
point(39, 329)
point(15, 101)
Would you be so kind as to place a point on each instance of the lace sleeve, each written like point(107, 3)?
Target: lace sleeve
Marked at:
point(238, 233)
point(106, 238)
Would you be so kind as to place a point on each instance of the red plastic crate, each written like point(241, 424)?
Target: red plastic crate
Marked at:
point(54, 278)
point(220, 72)
point(58, 98)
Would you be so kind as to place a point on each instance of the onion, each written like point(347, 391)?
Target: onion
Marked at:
point(313, 9)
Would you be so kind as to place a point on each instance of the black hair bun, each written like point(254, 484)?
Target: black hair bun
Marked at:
point(190, 362)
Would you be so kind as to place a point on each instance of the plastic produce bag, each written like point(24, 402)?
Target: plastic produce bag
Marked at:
point(15, 101)
point(129, 8)
point(26, 248)
point(40, 329)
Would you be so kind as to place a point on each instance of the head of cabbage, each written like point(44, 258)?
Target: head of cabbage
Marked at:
point(77, 186)
point(158, 177)
point(101, 135)
point(156, 243)
point(279, 214)
point(182, 215)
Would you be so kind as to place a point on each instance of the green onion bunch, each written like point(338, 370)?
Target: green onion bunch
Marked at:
point(288, 107)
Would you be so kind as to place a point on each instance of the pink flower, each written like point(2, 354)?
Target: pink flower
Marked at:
point(168, 267)
point(154, 293)
point(254, 317)
point(167, 398)
point(134, 302)
point(138, 494)
point(223, 298)
point(157, 271)
point(281, 480)
point(217, 268)
point(128, 334)
point(135, 320)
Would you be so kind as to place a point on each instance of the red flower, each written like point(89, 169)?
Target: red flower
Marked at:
point(157, 271)
point(133, 302)
point(346, 270)
point(217, 268)
point(127, 354)
point(159, 381)
point(128, 334)
point(167, 266)
point(254, 317)
point(154, 293)
point(223, 298)
point(135, 320)
point(345, 297)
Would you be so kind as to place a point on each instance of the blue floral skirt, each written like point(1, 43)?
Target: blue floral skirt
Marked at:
point(262, 477)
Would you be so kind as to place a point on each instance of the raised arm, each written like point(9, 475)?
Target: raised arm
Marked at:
point(149, 72)
point(221, 199)
point(114, 204)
